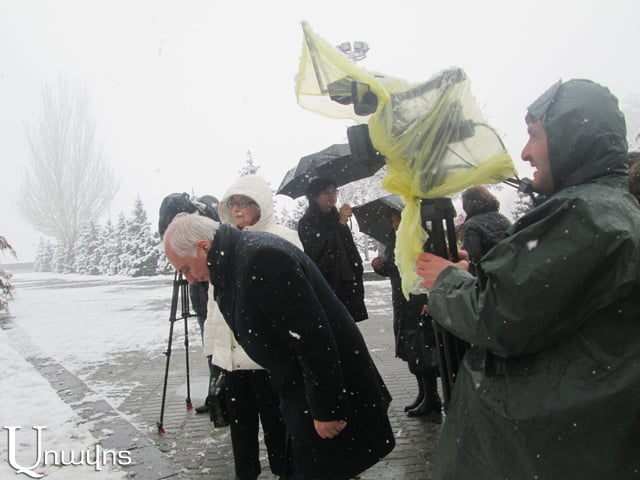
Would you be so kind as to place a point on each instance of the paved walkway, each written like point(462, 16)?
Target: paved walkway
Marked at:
point(191, 448)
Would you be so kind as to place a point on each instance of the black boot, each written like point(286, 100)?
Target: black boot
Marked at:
point(213, 369)
point(203, 408)
point(420, 396)
point(431, 401)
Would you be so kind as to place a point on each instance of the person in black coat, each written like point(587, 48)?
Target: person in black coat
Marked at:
point(414, 336)
point(327, 239)
point(484, 226)
point(286, 317)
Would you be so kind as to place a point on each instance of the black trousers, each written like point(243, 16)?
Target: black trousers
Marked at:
point(249, 397)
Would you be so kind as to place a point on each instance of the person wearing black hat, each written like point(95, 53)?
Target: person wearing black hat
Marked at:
point(327, 239)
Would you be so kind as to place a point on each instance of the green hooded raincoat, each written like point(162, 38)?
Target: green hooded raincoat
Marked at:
point(551, 388)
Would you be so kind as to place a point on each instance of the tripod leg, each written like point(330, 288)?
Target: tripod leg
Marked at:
point(186, 354)
point(450, 348)
point(186, 313)
point(172, 319)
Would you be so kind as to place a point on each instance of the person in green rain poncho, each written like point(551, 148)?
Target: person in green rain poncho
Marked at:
point(551, 387)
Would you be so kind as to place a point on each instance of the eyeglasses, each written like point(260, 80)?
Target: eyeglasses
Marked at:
point(330, 191)
point(240, 203)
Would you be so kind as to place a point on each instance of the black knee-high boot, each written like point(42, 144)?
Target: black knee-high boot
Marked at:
point(431, 401)
point(420, 396)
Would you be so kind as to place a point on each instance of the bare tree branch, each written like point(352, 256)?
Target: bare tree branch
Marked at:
point(69, 182)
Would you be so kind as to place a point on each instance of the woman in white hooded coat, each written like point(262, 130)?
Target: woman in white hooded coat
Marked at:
point(247, 204)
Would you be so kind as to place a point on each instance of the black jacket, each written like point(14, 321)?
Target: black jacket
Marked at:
point(413, 332)
point(481, 232)
point(330, 245)
point(285, 316)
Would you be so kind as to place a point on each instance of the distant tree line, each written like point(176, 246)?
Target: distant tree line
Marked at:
point(127, 247)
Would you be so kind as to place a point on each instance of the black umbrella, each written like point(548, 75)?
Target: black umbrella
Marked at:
point(374, 217)
point(335, 163)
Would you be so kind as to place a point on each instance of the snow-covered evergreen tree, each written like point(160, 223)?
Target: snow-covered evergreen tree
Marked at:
point(113, 261)
point(249, 167)
point(6, 288)
point(289, 218)
point(88, 251)
point(108, 259)
point(163, 266)
point(44, 256)
point(140, 248)
point(62, 260)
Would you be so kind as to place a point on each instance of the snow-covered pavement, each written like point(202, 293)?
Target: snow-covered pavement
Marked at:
point(85, 357)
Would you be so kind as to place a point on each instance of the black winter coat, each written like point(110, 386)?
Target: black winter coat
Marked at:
point(413, 332)
point(481, 233)
point(330, 245)
point(285, 316)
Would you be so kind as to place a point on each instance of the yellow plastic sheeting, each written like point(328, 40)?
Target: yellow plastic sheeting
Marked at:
point(433, 136)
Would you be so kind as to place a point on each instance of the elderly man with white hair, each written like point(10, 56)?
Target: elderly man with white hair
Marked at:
point(286, 317)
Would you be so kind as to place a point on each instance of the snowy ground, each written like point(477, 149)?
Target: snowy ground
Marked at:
point(81, 322)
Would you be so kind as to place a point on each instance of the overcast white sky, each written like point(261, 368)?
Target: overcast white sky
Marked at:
point(181, 90)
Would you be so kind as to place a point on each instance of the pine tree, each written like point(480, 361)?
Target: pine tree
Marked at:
point(163, 266)
point(88, 251)
point(139, 245)
point(6, 288)
point(44, 256)
point(110, 246)
point(249, 167)
point(114, 261)
point(62, 260)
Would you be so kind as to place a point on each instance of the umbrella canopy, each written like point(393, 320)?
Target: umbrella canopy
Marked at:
point(335, 163)
point(374, 217)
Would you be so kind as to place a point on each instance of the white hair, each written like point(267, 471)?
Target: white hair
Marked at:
point(185, 230)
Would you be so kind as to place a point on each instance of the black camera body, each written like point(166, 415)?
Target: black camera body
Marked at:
point(176, 203)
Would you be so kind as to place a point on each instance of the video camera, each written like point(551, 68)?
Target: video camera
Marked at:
point(172, 205)
point(175, 203)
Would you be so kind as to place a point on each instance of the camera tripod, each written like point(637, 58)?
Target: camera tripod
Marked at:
point(181, 289)
point(438, 213)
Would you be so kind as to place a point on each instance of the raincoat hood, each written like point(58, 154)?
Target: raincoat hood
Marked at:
point(586, 131)
point(256, 188)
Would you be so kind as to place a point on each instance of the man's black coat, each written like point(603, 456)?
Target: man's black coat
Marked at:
point(288, 319)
